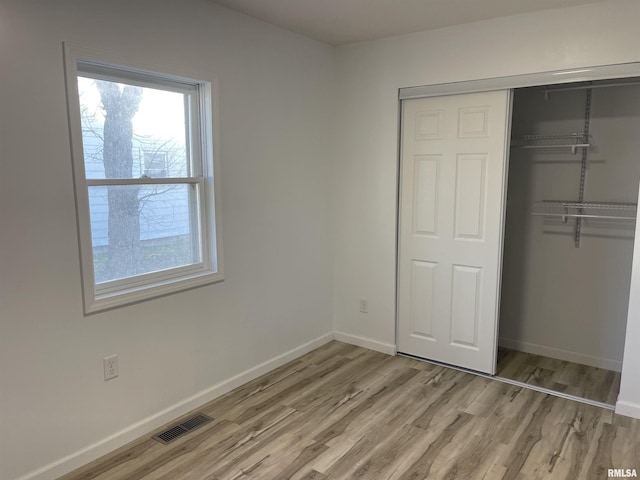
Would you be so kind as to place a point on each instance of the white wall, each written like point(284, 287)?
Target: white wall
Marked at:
point(365, 179)
point(275, 107)
point(558, 300)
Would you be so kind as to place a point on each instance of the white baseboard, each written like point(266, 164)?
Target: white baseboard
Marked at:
point(561, 354)
point(365, 342)
point(121, 438)
point(628, 409)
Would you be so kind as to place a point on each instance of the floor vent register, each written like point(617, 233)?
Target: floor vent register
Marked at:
point(177, 431)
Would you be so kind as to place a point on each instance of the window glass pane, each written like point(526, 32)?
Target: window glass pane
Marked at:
point(130, 131)
point(142, 229)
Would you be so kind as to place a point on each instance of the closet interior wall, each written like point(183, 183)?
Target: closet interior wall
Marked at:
point(558, 300)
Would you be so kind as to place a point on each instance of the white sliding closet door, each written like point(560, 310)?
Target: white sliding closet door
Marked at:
point(453, 189)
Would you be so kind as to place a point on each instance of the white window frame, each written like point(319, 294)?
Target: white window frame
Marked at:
point(206, 176)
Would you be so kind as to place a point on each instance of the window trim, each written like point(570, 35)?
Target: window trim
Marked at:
point(205, 145)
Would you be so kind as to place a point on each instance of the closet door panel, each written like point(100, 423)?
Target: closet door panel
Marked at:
point(450, 230)
point(425, 208)
point(422, 283)
point(470, 180)
point(465, 300)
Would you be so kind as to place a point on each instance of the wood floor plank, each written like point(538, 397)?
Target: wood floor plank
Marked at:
point(246, 450)
point(176, 455)
point(368, 437)
point(385, 457)
point(454, 393)
point(311, 475)
point(475, 460)
point(566, 435)
point(241, 414)
point(258, 386)
point(585, 423)
point(528, 439)
point(402, 407)
point(573, 378)
point(420, 468)
point(360, 366)
point(332, 350)
point(267, 461)
point(343, 412)
point(202, 460)
point(142, 458)
point(305, 457)
point(603, 458)
point(383, 392)
point(337, 450)
point(509, 415)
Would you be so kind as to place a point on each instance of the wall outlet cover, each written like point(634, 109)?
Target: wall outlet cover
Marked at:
point(110, 365)
point(364, 305)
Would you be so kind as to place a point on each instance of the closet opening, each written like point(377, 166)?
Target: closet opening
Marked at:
point(572, 189)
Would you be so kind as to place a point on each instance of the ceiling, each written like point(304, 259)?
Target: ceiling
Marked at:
point(338, 22)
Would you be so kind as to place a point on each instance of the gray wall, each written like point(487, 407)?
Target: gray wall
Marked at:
point(558, 300)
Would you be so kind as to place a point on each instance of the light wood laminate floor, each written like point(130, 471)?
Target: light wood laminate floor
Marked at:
point(343, 412)
point(559, 375)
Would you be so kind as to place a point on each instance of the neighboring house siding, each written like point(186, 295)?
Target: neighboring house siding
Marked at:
point(163, 215)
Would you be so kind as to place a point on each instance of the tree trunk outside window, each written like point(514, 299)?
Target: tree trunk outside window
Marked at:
point(120, 106)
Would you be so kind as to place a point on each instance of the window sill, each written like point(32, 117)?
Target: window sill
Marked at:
point(108, 301)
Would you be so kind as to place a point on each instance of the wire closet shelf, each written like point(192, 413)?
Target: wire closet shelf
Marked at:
point(600, 210)
point(571, 141)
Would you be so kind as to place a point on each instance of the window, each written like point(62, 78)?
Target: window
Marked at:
point(155, 163)
point(142, 145)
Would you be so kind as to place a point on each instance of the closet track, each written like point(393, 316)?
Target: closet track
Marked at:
point(516, 383)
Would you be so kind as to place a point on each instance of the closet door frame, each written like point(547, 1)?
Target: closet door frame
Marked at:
point(604, 72)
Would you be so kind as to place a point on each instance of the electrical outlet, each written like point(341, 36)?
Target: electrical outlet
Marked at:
point(364, 305)
point(110, 364)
